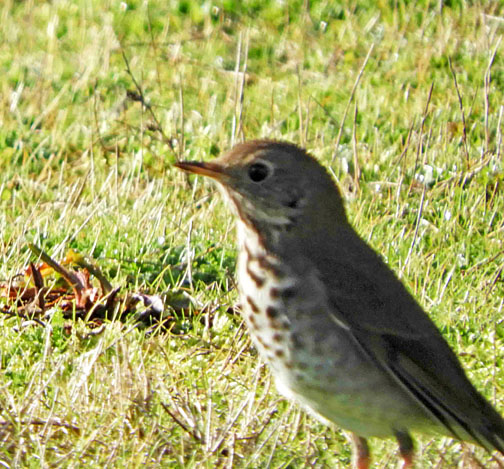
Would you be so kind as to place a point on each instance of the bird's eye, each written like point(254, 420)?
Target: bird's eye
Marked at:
point(258, 172)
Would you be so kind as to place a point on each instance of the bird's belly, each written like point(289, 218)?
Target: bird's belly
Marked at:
point(316, 362)
point(349, 392)
point(336, 383)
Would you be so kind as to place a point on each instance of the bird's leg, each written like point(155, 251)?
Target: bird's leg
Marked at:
point(406, 448)
point(362, 457)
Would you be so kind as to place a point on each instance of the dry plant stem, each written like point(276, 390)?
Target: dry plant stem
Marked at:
point(17, 314)
point(300, 106)
point(181, 424)
point(94, 270)
point(403, 152)
point(236, 94)
point(357, 171)
point(488, 79)
point(307, 121)
point(38, 281)
point(421, 134)
point(96, 130)
point(73, 280)
point(326, 112)
point(153, 44)
point(420, 209)
point(240, 78)
point(499, 133)
point(352, 94)
point(242, 88)
point(462, 113)
point(142, 100)
point(181, 145)
point(417, 225)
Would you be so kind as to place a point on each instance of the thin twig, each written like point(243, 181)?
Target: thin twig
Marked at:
point(421, 136)
point(461, 106)
point(237, 71)
point(38, 281)
point(357, 171)
point(70, 277)
point(354, 89)
point(417, 225)
point(422, 200)
point(400, 157)
point(300, 108)
point(153, 44)
point(41, 422)
point(106, 149)
point(488, 79)
point(307, 122)
point(139, 96)
point(327, 113)
point(181, 145)
point(17, 314)
point(499, 132)
point(242, 87)
point(181, 424)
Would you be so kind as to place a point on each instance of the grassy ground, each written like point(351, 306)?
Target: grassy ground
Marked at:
point(403, 100)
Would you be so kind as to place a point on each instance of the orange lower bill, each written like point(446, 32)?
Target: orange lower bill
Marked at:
point(212, 170)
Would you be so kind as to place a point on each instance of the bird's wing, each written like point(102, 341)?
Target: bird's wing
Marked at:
point(394, 332)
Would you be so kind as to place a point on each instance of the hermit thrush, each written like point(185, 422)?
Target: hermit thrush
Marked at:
point(341, 334)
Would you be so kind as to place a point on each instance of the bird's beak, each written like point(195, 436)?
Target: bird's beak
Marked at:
point(212, 170)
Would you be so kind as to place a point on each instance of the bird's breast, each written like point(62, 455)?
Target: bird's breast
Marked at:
point(261, 284)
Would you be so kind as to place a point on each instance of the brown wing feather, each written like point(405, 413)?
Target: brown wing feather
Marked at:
point(395, 332)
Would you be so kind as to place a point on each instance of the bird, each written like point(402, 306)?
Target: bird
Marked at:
point(339, 331)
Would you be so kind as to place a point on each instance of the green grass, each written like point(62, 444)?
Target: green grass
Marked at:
point(87, 167)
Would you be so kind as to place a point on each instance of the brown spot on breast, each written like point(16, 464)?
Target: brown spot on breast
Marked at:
point(263, 343)
point(274, 293)
point(279, 353)
point(259, 281)
point(263, 262)
point(247, 250)
point(277, 337)
point(267, 265)
point(271, 312)
point(284, 324)
point(252, 305)
point(252, 321)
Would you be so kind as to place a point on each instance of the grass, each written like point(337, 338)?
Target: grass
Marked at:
point(86, 166)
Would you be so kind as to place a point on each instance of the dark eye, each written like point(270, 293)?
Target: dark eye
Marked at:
point(258, 172)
